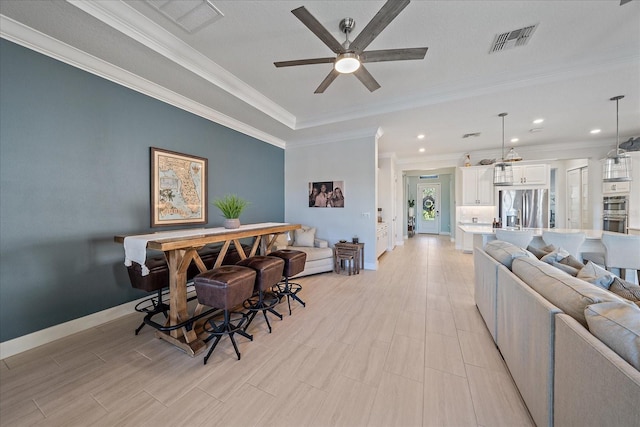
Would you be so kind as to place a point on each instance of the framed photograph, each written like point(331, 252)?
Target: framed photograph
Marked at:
point(178, 188)
point(326, 194)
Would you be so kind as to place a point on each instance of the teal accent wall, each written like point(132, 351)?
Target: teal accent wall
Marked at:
point(74, 172)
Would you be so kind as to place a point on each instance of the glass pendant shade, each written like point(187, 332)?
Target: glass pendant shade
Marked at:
point(502, 174)
point(502, 171)
point(617, 164)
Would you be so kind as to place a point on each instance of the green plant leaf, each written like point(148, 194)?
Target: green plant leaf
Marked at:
point(230, 205)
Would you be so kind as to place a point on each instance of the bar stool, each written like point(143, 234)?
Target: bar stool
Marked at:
point(155, 281)
point(520, 238)
point(268, 273)
point(621, 251)
point(293, 264)
point(570, 242)
point(225, 287)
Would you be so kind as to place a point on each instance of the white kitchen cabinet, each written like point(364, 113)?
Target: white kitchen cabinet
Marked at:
point(382, 237)
point(616, 187)
point(477, 185)
point(531, 174)
point(467, 241)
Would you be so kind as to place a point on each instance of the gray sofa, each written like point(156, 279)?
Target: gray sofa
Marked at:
point(565, 375)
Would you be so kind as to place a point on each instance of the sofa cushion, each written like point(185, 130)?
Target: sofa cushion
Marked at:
point(573, 262)
point(569, 294)
point(618, 326)
point(595, 274)
point(282, 241)
point(626, 290)
point(314, 254)
point(504, 252)
point(304, 236)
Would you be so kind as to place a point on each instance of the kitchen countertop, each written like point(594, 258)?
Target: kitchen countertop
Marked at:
point(487, 229)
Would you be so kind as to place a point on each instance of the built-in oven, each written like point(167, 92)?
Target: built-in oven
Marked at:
point(615, 223)
point(615, 213)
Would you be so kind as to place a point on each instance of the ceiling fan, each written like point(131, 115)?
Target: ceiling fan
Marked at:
point(351, 55)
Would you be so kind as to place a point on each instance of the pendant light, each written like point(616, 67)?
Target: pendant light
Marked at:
point(617, 164)
point(502, 171)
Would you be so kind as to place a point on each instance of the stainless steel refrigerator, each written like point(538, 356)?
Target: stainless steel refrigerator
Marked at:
point(524, 208)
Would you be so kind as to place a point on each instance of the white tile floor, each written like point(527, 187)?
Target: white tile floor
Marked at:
point(400, 346)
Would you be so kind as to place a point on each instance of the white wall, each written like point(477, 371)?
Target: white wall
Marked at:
point(353, 161)
point(387, 197)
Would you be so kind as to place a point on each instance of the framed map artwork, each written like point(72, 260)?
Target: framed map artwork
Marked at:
point(178, 188)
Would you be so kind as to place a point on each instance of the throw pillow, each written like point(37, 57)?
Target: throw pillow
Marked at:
point(618, 327)
point(596, 275)
point(625, 289)
point(573, 262)
point(555, 256)
point(572, 271)
point(282, 241)
point(540, 252)
point(304, 236)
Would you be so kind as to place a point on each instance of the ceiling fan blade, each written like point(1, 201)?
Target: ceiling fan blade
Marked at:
point(393, 54)
point(389, 11)
point(367, 79)
point(624, 1)
point(318, 29)
point(327, 81)
point(305, 62)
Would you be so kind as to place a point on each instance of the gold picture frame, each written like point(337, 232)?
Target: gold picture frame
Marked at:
point(178, 188)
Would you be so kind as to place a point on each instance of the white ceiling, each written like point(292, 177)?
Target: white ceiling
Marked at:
point(581, 54)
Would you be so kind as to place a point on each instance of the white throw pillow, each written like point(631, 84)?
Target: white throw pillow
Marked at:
point(304, 236)
point(596, 275)
point(282, 241)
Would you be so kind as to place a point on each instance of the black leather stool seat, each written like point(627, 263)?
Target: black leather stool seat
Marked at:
point(158, 277)
point(268, 274)
point(294, 262)
point(225, 287)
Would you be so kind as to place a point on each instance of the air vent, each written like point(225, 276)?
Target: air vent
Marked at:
point(512, 39)
point(190, 15)
point(428, 176)
point(471, 135)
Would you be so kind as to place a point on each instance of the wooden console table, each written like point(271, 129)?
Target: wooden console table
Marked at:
point(180, 247)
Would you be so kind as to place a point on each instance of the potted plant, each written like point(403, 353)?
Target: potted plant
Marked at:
point(412, 203)
point(231, 207)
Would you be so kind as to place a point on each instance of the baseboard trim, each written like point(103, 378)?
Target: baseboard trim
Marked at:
point(45, 336)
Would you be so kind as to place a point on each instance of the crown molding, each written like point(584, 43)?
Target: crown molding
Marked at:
point(374, 134)
point(28, 37)
point(471, 88)
point(132, 23)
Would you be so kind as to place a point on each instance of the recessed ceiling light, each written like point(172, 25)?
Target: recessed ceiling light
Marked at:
point(421, 136)
point(538, 121)
point(594, 131)
point(514, 140)
point(421, 150)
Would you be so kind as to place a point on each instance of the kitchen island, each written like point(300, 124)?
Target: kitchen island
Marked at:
point(484, 233)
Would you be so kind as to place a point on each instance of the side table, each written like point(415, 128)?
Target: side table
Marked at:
point(358, 253)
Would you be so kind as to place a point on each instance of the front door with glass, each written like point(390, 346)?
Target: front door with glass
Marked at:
point(428, 211)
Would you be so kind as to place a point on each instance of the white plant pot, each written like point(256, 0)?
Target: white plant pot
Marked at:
point(411, 211)
point(232, 223)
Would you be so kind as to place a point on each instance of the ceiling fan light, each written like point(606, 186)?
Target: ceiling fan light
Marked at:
point(347, 63)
